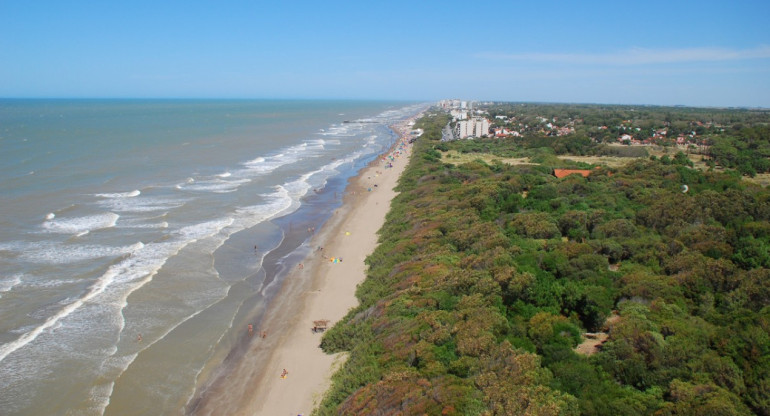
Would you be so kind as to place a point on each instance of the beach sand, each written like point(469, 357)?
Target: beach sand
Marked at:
point(317, 289)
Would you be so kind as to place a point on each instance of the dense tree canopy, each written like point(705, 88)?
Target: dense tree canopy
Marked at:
point(487, 276)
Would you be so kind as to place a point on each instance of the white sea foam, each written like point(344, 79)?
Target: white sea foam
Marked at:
point(292, 154)
point(216, 185)
point(255, 161)
point(123, 278)
point(102, 393)
point(136, 224)
point(8, 283)
point(299, 188)
point(80, 225)
point(319, 177)
point(315, 145)
point(143, 204)
point(50, 216)
point(278, 202)
point(95, 290)
point(344, 130)
point(46, 284)
point(258, 166)
point(204, 229)
point(65, 253)
point(131, 194)
point(266, 165)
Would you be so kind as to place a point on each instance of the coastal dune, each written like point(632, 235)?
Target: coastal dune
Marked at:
point(285, 372)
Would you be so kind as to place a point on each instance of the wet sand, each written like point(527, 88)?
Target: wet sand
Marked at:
point(250, 382)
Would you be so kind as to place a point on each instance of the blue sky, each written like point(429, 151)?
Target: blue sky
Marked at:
point(702, 53)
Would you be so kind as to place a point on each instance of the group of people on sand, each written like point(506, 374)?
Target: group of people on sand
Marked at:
point(400, 150)
point(262, 334)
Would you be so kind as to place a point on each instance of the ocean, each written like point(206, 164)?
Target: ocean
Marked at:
point(139, 237)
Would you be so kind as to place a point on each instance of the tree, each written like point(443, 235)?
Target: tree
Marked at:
point(702, 400)
point(515, 384)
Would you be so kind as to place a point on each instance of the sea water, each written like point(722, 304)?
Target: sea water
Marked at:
point(133, 236)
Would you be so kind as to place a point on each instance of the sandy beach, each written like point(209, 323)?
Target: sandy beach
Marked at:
point(321, 287)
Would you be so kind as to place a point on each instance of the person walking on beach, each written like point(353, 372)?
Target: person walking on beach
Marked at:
point(251, 329)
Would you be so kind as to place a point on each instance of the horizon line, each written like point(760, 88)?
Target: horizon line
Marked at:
point(97, 98)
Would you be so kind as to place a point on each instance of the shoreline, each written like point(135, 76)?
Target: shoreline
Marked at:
point(316, 288)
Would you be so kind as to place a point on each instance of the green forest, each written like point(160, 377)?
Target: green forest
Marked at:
point(487, 276)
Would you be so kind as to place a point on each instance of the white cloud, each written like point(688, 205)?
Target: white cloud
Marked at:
point(636, 56)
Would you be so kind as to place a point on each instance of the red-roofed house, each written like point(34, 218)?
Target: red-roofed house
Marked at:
point(560, 173)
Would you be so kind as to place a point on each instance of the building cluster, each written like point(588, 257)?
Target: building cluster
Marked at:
point(502, 132)
point(453, 104)
point(470, 123)
point(458, 114)
point(475, 127)
point(660, 135)
point(467, 122)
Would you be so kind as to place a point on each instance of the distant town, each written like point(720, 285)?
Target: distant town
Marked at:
point(468, 122)
point(725, 138)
